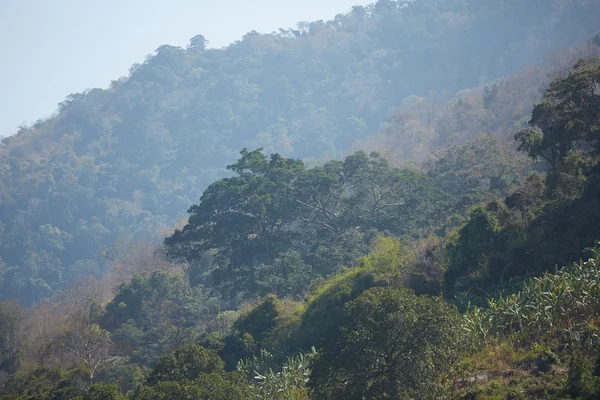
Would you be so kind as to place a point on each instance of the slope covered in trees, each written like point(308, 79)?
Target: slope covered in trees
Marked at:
point(336, 283)
point(126, 160)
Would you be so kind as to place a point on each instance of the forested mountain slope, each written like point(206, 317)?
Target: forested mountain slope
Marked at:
point(130, 158)
point(354, 279)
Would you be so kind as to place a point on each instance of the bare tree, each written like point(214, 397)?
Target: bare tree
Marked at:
point(89, 344)
point(140, 257)
point(14, 328)
point(47, 326)
point(83, 293)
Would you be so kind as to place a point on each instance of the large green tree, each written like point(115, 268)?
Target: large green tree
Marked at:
point(277, 217)
point(567, 118)
point(192, 372)
point(155, 314)
point(392, 344)
point(244, 221)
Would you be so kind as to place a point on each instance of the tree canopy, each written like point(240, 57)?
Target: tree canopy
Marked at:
point(566, 119)
point(353, 250)
point(392, 344)
point(116, 163)
point(249, 223)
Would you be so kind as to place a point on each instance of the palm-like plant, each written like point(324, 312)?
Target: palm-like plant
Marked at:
point(567, 300)
point(288, 384)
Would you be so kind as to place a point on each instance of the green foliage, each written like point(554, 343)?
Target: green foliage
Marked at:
point(477, 253)
point(38, 383)
point(579, 378)
point(237, 346)
point(287, 276)
point(244, 218)
point(56, 384)
point(548, 223)
point(192, 372)
point(324, 310)
point(125, 160)
point(113, 163)
point(124, 374)
point(567, 117)
point(268, 223)
point(346, 249)
point(566, 301)
point(387, 257)
point(251, 331)
point(401, 350)
point(155, 314)
point(287, 383)
point(260, 320)
point(187, 363)
point(100, 391)
point(425, 273)
point(206, 387)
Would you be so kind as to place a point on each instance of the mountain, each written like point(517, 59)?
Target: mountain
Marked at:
point(122, 162)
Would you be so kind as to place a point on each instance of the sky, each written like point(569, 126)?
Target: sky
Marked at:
point(52, 48)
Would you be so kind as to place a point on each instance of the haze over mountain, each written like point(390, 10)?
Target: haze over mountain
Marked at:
point(120, 161)
point(68, 46)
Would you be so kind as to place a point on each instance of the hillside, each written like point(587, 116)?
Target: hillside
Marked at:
point(124, 161)
point(351, 280)
point(447, 264)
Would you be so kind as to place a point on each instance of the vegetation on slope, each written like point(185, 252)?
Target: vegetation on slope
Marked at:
point(123, 161)
point(350, 279)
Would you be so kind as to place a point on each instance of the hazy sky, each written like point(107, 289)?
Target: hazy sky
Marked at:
point(51, 48)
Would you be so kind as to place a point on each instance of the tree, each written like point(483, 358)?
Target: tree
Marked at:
point(154, 314)
point(186, 363)
point(122, 161)
point(83, 294)
point(527, 197)
point(250, 332)
point(244, 220)
point(193, 372)
point(14, 330)
point(393, 344)
point(198, 42)
point(213, 386)
point(42, 383)
point(89, 344)
point(484, 167)
point(276, 214)
point(101, 391)
point(364, 192)
point(288, 276)
point(567, 117)
point(474, 243)
point(47, 326)
point(143, 256)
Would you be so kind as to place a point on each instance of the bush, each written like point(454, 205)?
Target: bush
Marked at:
point(392, 344)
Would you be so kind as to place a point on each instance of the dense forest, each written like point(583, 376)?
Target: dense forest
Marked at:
point(403, 202)
point(116, 164)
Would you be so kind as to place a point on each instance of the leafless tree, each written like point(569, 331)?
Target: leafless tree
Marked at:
point(14, 329)
point(47, 325)
point(140, 257)
point(83, 293)
point(89, 344)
